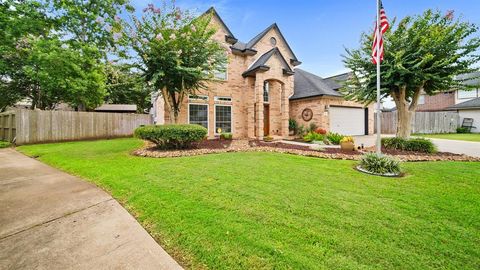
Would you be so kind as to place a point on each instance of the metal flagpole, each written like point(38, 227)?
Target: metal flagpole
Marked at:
point(379, 149)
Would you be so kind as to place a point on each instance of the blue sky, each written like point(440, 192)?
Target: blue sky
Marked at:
point(318, 30)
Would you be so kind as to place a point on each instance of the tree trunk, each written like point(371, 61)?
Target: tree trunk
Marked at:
point(405, 110)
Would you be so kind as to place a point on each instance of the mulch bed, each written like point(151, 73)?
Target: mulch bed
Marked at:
point(225, 146)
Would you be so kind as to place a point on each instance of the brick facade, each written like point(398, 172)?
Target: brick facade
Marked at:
point(247, 92)
point(437, 102)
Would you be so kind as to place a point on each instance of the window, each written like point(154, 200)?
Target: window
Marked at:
point(198, 114)
point(421, 99)
point(223, 99)
point(273, 41)
point(221, 75)
point(197, 98)
point(266, 92)
point(463, 94)
point(223, 119)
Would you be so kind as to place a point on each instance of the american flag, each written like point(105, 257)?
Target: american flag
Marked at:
point(383, 28)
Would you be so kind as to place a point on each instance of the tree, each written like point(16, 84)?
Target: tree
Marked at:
point(125, 86)
point(423, 54)
point(175, 52)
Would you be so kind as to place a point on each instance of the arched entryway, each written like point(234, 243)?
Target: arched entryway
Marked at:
point(273, 99)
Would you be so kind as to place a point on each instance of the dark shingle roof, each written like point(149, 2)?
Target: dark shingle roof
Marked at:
point(335, 82)
point(307, 85)
point(260, 63)
point(469, 104)
point(471, 79)
point(230, 35)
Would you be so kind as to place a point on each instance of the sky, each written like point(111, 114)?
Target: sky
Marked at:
point(317, 30)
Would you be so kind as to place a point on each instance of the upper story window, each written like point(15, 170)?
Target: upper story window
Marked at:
point(195, 98)
point(464, 94)
point(223, 99)
point(273, 41)
point(421, 99)
point(266, 92)
point(221, 75)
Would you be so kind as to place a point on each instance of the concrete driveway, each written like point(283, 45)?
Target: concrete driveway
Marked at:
point(452, 146)
point(52, 220)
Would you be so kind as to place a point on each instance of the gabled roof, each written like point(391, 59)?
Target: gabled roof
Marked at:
point(260, 63)
point(258, 37)
point(308, 85)
point(469, 104)
point(470, 79)
point(230, 38)
point(336, 82)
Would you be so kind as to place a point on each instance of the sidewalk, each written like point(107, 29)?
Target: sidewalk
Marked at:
point(52, 220)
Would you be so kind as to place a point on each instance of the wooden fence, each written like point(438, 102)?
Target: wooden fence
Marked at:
point(422, 122)
point(27, 126)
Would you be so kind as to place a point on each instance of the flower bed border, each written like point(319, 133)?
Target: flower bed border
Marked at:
point(360, 169)
point(243, 146)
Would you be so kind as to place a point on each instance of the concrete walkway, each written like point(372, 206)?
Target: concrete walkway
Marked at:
point(52, 220)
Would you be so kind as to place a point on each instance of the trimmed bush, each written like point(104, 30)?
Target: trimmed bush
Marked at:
point(414, 144)
point(171, 136)
point(380, 164)
point(420, 145)
point(462, 130)
point(313, 136)
point(334, 138)
point(226, 136)
point(396, 143)
point(292, 125)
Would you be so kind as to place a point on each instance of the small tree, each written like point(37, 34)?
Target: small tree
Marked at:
point(175, 51)
point(422, 54)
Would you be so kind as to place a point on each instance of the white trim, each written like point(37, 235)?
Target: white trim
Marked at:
point(215, 118)
point(208, 114)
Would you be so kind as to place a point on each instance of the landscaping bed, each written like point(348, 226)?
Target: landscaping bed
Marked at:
point(224, 146)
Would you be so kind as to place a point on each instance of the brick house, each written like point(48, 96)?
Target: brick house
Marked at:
point(262, 88)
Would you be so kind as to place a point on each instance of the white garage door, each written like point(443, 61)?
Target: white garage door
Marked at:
point(347, 121)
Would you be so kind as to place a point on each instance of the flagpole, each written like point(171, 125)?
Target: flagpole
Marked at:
point(379, 141)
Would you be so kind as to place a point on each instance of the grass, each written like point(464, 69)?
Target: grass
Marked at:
point(4, 144)
point(270, 210)
point(472, 137)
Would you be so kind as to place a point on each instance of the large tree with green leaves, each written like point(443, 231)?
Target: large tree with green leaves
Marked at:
point(175, 52)
point(423, 54)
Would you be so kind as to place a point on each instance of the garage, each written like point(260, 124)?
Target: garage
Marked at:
point(348, 120)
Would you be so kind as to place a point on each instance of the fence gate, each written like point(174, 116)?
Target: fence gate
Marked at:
point(7, 126)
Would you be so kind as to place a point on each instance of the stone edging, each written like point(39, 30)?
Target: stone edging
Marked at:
point(148, 152)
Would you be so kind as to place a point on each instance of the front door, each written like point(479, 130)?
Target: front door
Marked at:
point(266, 120)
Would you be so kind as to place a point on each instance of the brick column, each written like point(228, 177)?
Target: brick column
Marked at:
point(250, 98)
point(259, 107)
point(285, 110)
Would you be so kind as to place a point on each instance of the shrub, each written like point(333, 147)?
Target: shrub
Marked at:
point(414, 144)
point(171, 136)
point(420, 145)
point(334, 138)
point(4, 144)
point(226, 136)
point(380, 164)
point(396, 143)
point(312, 127)
point(321, 131)
point(292, 125)
point(301, 130)
point(347, 139)
point(313, 136)
point(463, 130)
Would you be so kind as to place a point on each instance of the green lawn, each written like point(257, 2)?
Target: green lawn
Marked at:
point(4, 144)
point(270, 210)
point(473, 137)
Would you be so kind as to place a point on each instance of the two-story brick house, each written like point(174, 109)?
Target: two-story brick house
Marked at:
point(262, 88)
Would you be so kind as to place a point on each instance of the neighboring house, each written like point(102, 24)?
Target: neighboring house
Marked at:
point(443, 100)
point(261, 89)
point(469, 109)
point(117, 108)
